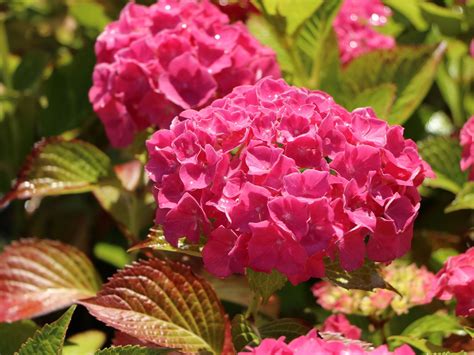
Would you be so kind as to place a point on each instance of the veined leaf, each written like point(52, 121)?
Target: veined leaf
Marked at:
point(444, 156)
point(290, 328)
point(50, 338)
point(41, 276)
point(131, 350)
point(56, 166)
point(243, 334)
point(16, 333)
point(365, 278)
point(156, 241)
point(433, 323)
point(464, 199)
point(265, 284)
point(162, 302)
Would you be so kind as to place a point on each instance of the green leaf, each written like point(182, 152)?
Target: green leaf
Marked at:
point(156, 241)
point(56, 166)
point(113, 254)
point(311, 38)
point(89, 14)
point(131, 350)
point(164, 303)
point(411, 10)
point(365, 278)
point(444, 156)
point(296, 12)
point(421, 344)
point(410, 69)
point(16, 333)
point(380, 98)
point(265, 284)
point(49, 339)
point(243, 333)
point(433, 323)
point(290, 328)
point(448, 21)
point(439, 257)
point(85, 343)
point(30, 70)
point(41, 276)
point(464, 199)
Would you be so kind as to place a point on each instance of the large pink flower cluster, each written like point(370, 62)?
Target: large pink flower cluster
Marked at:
point(277, 177)
point(467, 143)
point(311, 344)
point(414, 283)
point(354, 26)
point(456, 279)
point(176, 54)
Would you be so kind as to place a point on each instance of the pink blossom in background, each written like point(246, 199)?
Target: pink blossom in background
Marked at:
point(271, 164)
point(456, 279)
point(355, 28)
point(467, 143)
point(155, 61)
point(338, 323)
point(311, 344)
point(414, 283)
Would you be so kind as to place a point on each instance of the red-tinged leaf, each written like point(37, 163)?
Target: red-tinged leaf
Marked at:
point(41, 276)
point(162, 302)
point(56, 166)
point(129, 174)
point(123, 339)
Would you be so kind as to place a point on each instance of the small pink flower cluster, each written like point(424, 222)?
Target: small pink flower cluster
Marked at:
point(467, 143)
point(338, 323)
point(354, 28)
point(176, 54)
point(415, 284)
point(456, 279)
point(311, 344)
point(277, 177)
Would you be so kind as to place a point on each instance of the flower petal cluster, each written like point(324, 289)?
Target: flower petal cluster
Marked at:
point(338, 323)
point(311, 344)
point(277, 177)
point(467, 143)
point(415, 284)
point(155, 61)
point(456, 279)
point(354, 26)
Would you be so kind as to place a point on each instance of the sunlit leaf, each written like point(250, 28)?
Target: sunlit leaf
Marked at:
point(85, 343)
point(243, 334)
point(464, 199)
point(112, 254)
point(265, 284)
point(290, 328)
point(16, 333)
point(447, 20)
point(89, 14)
point(162, 302)
point(50, 338)
point(411, 10)
point(380, 98)
point(421, 344)
point(41, 276)
point(131, 350)
point(433, 323)
point(56, 166)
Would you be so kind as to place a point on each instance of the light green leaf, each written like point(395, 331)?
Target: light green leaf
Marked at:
point(243, 333)
point(421, 344)
point(411, 10)
point(265, 284)
point(433, 323)
point(16, 333)
point(48, 340)
point(380, 98)
point(296, 12)
point(131, 350)
point(443, 154)
point(464, 199)
point(290, 328)
point(113, 254)
point(85, 343)
point(89, 14)
point(439, 257)
point(448, 21)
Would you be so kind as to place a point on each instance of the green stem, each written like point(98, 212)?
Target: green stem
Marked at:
point(4, 53)
point(252, 310)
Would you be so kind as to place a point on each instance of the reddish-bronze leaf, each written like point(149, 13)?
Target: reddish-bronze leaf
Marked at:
point(162, 302)
point(41, 276)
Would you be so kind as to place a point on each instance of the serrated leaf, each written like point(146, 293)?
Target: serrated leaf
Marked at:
point(290, 328)
point(162, 302)
point(444, 156)
point(464, 199)
point(380, 98)
point(41, 276)
point(56, 166)
point(410, 69)
point(421, 344)
point(49, 339)
point(243, 334)
point(16, 333)
point(156, 241)
point(365, 278)
point(85, 343)
point(433, 323)
point(131, 350)
point(265, 284)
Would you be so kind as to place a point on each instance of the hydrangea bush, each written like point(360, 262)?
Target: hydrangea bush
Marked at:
point(248, 176)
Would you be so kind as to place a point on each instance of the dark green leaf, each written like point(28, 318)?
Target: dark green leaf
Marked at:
point(243, 334)
point(16, 333)
point(265, 284)
point(464, 199)
point(30, 70)
point(380, 98)
point(290, 328)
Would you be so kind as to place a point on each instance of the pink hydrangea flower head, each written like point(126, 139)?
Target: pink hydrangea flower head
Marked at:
point(354, 26)
point(414, 283)
point(467, 143)
point(338, 323)
point(272, 164)
point(456, 279)
point(311, 344)
point(154, 62)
